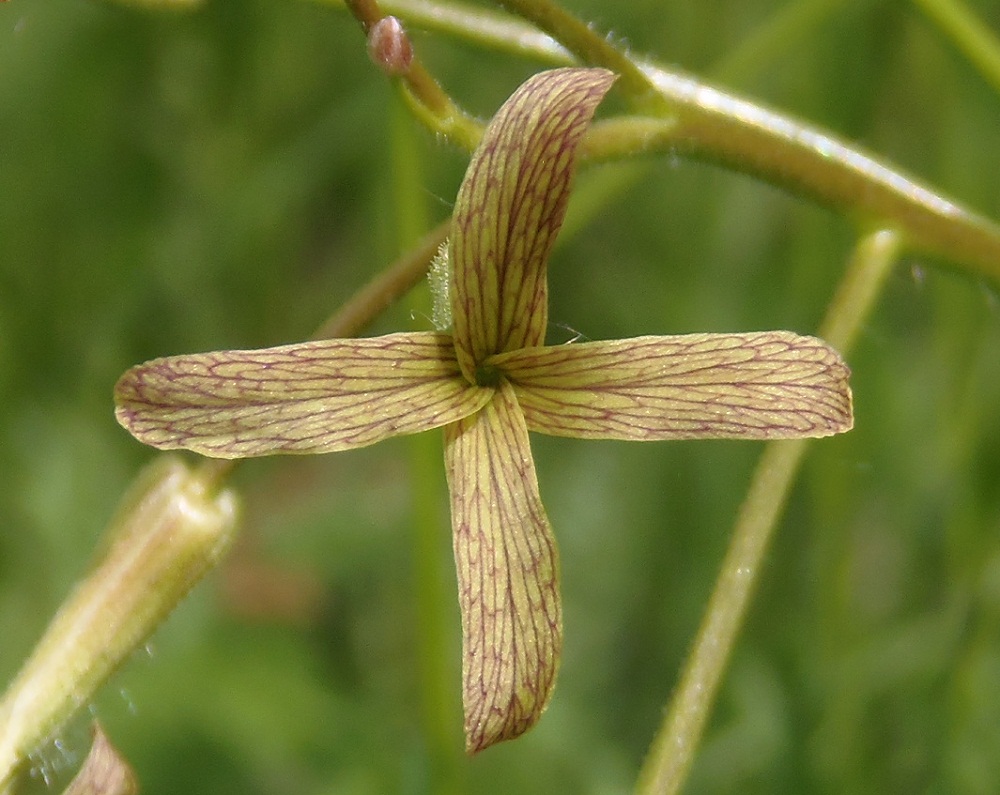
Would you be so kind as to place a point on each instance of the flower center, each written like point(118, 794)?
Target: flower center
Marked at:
point(488, 375)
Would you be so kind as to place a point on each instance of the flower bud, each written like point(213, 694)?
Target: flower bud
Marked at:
point(389, 47)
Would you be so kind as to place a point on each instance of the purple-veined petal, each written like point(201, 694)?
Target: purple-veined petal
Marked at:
point(311, 397)
point(767, 385)
point(509, 209)
point(507, 573)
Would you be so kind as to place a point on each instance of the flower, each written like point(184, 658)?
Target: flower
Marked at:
point(489, 382)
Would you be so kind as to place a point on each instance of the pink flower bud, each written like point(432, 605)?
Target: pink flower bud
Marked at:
point(389, 47)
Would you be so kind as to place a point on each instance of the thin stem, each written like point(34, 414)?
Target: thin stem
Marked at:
point(376, 296)
point(673, 749)
point(433, 589)
point(714, 125)
point(428, 100)
point(56, 662)
point(491, 29)
point(718, 126)
point(866, 274)
point(967, 32)
point(591, 48)
point(494, 29)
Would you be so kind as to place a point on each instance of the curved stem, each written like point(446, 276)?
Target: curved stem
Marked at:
point(720, 126)
point(716, 125)
point(427, 99)
point(673, 749)
point(580, 39)
point(713, 124)
point(176, 544)
point(496, 30)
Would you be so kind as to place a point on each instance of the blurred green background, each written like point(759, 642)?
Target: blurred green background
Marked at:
point(181, 182)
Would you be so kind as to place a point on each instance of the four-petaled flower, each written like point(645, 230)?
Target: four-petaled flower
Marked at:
point(489, 382)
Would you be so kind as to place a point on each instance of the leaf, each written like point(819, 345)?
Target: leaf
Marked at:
point(509, 210)
point(507, 573)
point(311, 397)
point(766, 385)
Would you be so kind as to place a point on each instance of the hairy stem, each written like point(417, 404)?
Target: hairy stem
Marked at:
point(376, 296)
point(718, 126)
point(709, 123)
point(580, 39)
point(428, 101)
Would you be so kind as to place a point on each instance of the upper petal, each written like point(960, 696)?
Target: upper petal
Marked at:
point(507, 573)
point(766, 385)
point(311, 397)
point(509, 209)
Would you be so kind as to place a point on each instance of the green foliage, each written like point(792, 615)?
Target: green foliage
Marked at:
point(223, 178)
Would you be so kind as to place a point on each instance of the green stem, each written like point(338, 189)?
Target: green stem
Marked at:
point(580, 39)
point(972, 38)
point(160, 551)
point(673, 749)
point(376, 296)
point(866, 273)
point(433, 588)
point(427, 99)
point(711, 124)
point(492, 29)
point(715, 125)
point(719, 126)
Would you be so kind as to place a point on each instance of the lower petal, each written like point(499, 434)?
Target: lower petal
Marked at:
point(507, 573)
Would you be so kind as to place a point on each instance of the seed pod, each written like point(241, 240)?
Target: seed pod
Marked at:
point(172, 528)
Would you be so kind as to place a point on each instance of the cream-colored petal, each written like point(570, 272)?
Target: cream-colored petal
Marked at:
point(507, 573)
point(311, 397)
point(509, 209)
point(766, 385)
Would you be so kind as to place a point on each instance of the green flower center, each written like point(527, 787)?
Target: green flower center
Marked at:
point(488, 375)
